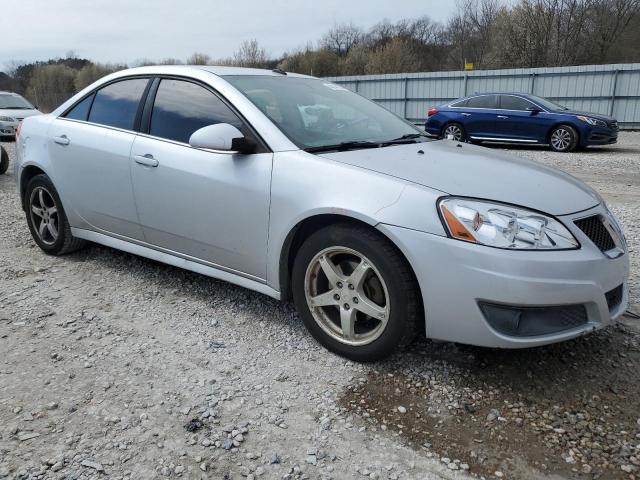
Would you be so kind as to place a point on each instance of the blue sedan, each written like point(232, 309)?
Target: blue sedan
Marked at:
point(520, 118)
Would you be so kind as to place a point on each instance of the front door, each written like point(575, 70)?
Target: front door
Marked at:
point(517, 121)
point(209, 206)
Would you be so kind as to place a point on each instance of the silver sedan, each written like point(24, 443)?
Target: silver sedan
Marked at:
point(300, 189)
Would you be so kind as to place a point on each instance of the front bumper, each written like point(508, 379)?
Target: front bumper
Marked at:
point(8, 129)
point(457, 278)
point(596, 135)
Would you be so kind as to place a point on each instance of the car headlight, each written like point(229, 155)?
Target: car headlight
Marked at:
point(592, 121)
point(7, 119)
point(503, 226)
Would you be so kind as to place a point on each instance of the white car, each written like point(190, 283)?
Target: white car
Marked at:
point(300, 189)
point(13, 109)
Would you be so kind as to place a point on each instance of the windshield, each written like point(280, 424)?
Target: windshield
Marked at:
point(548, 104)
point(14, 102)
point(315, 113)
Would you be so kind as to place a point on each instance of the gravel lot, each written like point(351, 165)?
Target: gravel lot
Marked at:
point(113, 366)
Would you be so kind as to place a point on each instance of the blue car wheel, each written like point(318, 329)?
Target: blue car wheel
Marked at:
point(563, 138)
point(456, 130)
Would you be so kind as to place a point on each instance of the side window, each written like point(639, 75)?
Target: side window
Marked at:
point(461, 104)
point(81, 109)
point(116, 105)
point(484, 101)
point(181, 108)
point(509, 102)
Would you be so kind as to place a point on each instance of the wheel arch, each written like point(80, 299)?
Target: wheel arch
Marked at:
point(26, 174)
point(568, 124)
point(304, 228)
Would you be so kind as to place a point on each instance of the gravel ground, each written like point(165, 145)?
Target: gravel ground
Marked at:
point(113, 366)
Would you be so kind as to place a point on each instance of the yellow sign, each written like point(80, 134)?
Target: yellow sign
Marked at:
point(468, 66)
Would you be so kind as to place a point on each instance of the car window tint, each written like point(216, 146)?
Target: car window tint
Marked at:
point(509, 102)
point(81, 110)
point(182, 107)
point(116, 104)
point(463, 103)
point(484, 101)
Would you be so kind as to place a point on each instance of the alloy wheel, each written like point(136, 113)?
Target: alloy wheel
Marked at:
point(455, 131)
point(561, 139)
point(44, 215)
point(347, 296)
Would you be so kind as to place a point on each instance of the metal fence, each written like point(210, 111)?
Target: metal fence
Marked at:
point(608, 89)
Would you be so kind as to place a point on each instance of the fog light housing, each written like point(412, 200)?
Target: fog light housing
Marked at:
point(533, 321)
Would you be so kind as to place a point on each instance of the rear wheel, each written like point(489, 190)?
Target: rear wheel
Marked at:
point(355, 292)
point(4, 160)
point(455, 130)
point(563, 138)
point(46, 218)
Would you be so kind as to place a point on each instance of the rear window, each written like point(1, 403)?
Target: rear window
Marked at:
point(81, 110)
point(484, 101)
point(462, 103)
point(116, 105)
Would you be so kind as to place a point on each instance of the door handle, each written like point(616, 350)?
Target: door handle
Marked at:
point(502, 116)
point(61, 140)
point(146, 160)
point(466, 114)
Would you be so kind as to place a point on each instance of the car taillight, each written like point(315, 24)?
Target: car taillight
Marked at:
point(431, 112)
point(18, 129)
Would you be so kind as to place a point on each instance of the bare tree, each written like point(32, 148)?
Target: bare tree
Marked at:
point(609, 19)
point(199, 59)
point(342, 38)
point(250, 54)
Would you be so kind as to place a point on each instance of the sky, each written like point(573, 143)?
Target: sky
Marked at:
point(124, 31)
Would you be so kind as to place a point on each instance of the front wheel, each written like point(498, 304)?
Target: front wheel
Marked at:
point(355, 292)
point(4, 160)
point(563, 138)
point(46, 218)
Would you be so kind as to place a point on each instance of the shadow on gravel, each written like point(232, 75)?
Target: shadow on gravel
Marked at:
point(160, 277)
point(571, 409)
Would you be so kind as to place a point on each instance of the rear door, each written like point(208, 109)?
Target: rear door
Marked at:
point(90, 147)
point(479, 115)
point(208, 205)
point(516, 120)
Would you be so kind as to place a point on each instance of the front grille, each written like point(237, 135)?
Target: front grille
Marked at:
point(597, 232)
point(614, 297)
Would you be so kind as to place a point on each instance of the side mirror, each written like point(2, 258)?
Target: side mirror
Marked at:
point(221, 136)
point(534, 110)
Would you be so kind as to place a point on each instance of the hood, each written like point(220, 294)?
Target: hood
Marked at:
point(472, 171)
point(599, 116)
point(18, 113)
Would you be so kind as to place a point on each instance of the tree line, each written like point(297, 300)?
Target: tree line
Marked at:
point(488, 33)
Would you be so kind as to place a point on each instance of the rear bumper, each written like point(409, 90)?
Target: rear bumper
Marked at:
point(459, 279)
point(433, 126)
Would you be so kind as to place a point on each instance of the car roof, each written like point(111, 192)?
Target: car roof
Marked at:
point(478, 94)
point(214, 69)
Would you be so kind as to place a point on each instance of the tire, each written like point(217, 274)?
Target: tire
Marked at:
point(43, 205)
point(455, 129)
point(563, 138)
point(387, 289)
point(4, 161)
